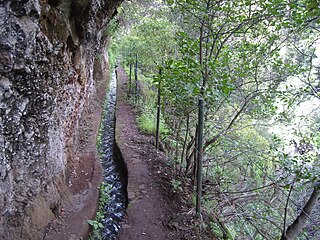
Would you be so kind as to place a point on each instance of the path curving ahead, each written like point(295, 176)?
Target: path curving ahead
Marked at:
point(146, 214)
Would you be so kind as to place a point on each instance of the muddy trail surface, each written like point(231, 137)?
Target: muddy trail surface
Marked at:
point(147, 212)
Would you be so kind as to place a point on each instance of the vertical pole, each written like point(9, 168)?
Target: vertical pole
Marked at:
point(195, 155)
point(199, 160)
point(158, 110)
point(130, 79)
point(136, 78)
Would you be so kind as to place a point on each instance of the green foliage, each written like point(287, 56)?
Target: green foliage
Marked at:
point(312, 9)
point(112, 27)
point(244, 59)
point(97, 223)
point(104, 195)
point(214, 227)
point(152, 39)
point(113, 53)
point(147, 122)
point(176, 185)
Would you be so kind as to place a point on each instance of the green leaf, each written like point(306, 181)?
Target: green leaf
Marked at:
point(100, 225)
point(91, 222)
point(170, 2)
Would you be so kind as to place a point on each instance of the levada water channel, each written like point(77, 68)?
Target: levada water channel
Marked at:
point(114, 169)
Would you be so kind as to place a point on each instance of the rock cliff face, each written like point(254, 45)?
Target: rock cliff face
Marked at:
point(48, 53)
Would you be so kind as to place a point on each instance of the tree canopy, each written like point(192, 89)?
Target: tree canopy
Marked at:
point(255, 65)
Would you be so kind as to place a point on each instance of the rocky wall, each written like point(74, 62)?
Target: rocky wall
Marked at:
point(47, 53)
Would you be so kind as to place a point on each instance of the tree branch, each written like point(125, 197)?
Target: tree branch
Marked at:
point(300, 222)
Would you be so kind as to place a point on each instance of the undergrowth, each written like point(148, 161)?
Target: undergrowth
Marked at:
point(97, 223)
point(147, 121)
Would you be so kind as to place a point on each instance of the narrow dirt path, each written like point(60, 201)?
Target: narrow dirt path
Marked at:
point(146, 214)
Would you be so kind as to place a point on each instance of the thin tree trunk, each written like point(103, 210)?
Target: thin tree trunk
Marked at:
point(225, 231)
point(177, 141)
point(158, 110)
point(200, 124)
point(136, 78)
point(189, 162)
point(286, 210)
point(185, 140)
point(300, 222)
point(199, 160)
point(188, 155)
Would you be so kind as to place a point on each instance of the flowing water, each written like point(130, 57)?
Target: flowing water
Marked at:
point(114, 169)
